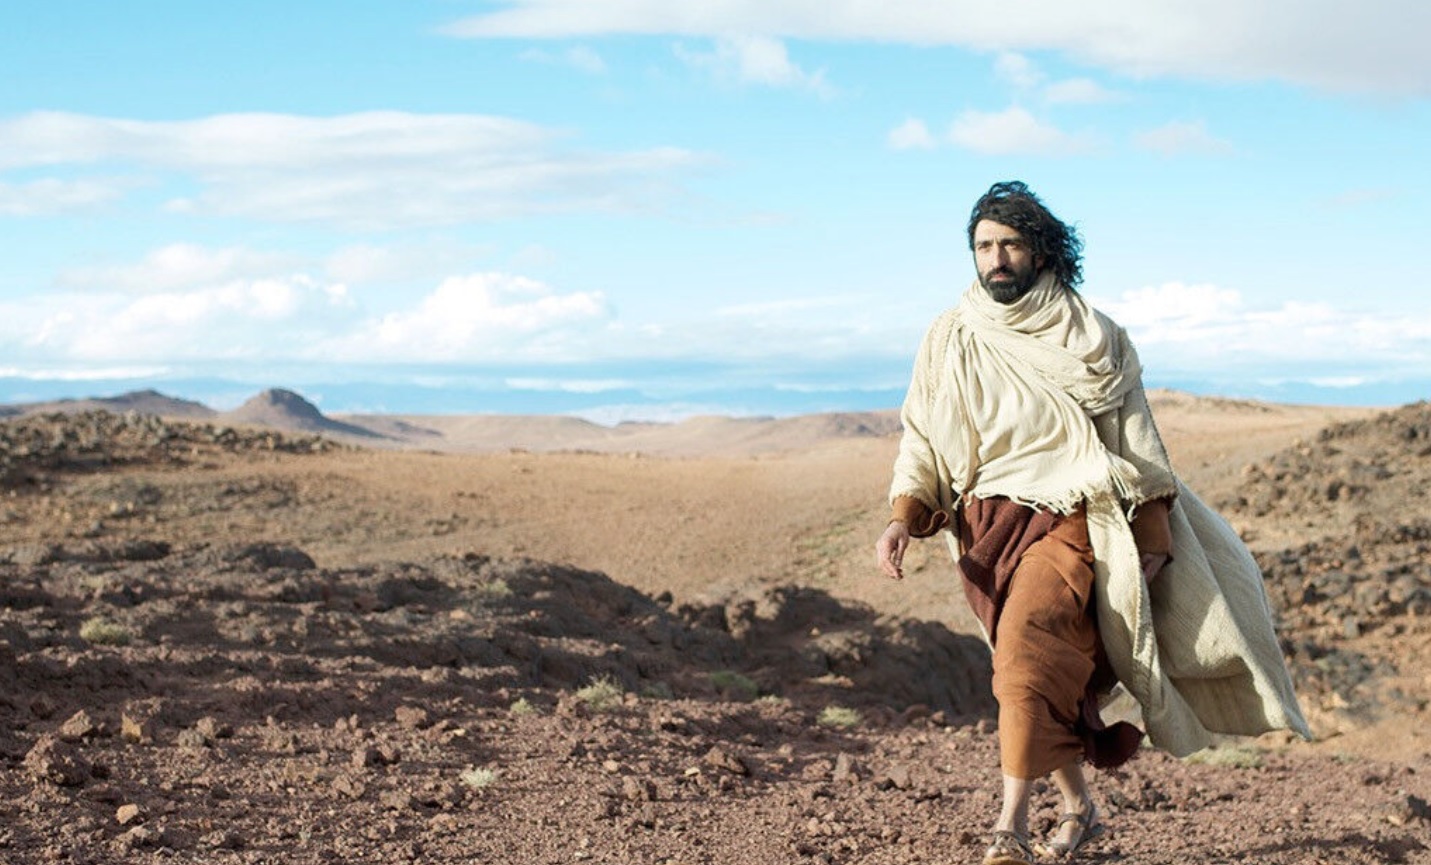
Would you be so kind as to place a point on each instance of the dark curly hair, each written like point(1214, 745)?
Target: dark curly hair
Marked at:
point(1011, 203)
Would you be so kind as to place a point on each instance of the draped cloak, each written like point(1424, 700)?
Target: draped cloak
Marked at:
point(1041, 401)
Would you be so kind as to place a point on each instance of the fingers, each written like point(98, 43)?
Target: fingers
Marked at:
point(891, 569)
point(889, 552)
point(1152, 563)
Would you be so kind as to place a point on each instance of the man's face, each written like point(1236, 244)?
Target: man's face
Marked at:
point(1005, 262)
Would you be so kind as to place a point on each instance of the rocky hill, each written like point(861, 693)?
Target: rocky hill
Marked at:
point(1343, 525)
point(281, 409)
point(149, 402)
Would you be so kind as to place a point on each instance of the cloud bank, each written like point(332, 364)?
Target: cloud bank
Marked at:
point(1183, 327)
point(188, 304)
point(371, 170)
point(1376, 46)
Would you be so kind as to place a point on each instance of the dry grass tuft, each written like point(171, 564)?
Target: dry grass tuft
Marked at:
point(839, 716)
point(604, 693)
point(104, 632)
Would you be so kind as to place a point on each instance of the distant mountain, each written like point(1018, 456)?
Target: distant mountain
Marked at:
point(141, 401)
point(286, 410)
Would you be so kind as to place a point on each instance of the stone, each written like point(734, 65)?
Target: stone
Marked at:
point(349, 787)
point(411, 717)
point(136, 727)
point(721, 759)
point(212, 729)
point(637, 789)
point(127, 814)
point(57, 762)
point(79, 726)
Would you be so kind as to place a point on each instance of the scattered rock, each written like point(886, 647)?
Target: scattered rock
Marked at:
point(411, 717)
point(127, 814)
point(79, 726)
point(138, 724)
point(397, 800)
point(141, 836)
point(720, 758)
point(637, 789)
point(57, 762)
point(221, 839)
point(192, 739)
point(1408, 809)
point(349, 787)
point(846, 770)
point(212, 729)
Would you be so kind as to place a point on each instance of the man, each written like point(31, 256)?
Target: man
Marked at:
point(1028, 441)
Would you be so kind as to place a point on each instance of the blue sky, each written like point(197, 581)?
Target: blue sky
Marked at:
point(650, 208)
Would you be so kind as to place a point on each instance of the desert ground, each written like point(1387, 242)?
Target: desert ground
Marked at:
point(274, 636)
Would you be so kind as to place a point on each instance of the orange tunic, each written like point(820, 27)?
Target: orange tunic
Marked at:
point(1028, 576)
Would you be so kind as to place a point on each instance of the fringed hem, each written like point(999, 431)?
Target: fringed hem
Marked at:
point(1062, 503)
point(1130, 510)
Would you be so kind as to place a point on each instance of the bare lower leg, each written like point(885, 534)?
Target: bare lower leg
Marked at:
point(1073, 787)
point(1014, 814)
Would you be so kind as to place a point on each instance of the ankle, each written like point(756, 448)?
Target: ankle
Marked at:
point(1082, 806)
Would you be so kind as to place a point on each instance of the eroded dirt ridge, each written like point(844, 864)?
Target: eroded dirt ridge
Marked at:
point(34, 447)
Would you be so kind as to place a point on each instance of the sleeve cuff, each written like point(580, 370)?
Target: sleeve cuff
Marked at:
point(922, 521)
point(1151, 530)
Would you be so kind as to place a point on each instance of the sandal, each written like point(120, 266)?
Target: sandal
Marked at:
point(1008, 849)
point(1088, 829)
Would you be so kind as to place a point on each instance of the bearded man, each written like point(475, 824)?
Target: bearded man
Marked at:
point(1029, 443)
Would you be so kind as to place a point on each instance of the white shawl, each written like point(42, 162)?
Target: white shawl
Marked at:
point(1041, 401)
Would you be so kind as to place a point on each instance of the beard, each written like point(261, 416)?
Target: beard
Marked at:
point(1006, 285)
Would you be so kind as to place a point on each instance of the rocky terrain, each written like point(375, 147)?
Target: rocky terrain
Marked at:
point(224, 643)
point(1343, 526)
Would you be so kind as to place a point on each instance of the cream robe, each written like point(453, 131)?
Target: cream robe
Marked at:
point(1042, 401)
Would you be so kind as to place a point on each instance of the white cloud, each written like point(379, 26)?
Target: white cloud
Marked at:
point(88, 373)
point(487, 316)
point(1018, 70)
point(1021, 73)
point(51, 196)
point(1013, 131)
point(369, 170)
point(478, 318)
point(179, 266)
point(1205, 327)
point(235, 319)
point(1376, 45)
point(912, 134)
point(1180, 137)
point(586, 60)
point(580, 58)
point(570, 385)
point(755, 60)
point(1078, 91)
point(405, 263)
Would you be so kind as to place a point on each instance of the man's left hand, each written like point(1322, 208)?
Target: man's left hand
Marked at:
point(1152, 563)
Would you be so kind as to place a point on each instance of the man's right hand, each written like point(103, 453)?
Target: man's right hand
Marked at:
point(889, 550)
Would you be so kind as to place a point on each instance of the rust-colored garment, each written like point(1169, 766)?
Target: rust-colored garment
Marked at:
point(1028, 575)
